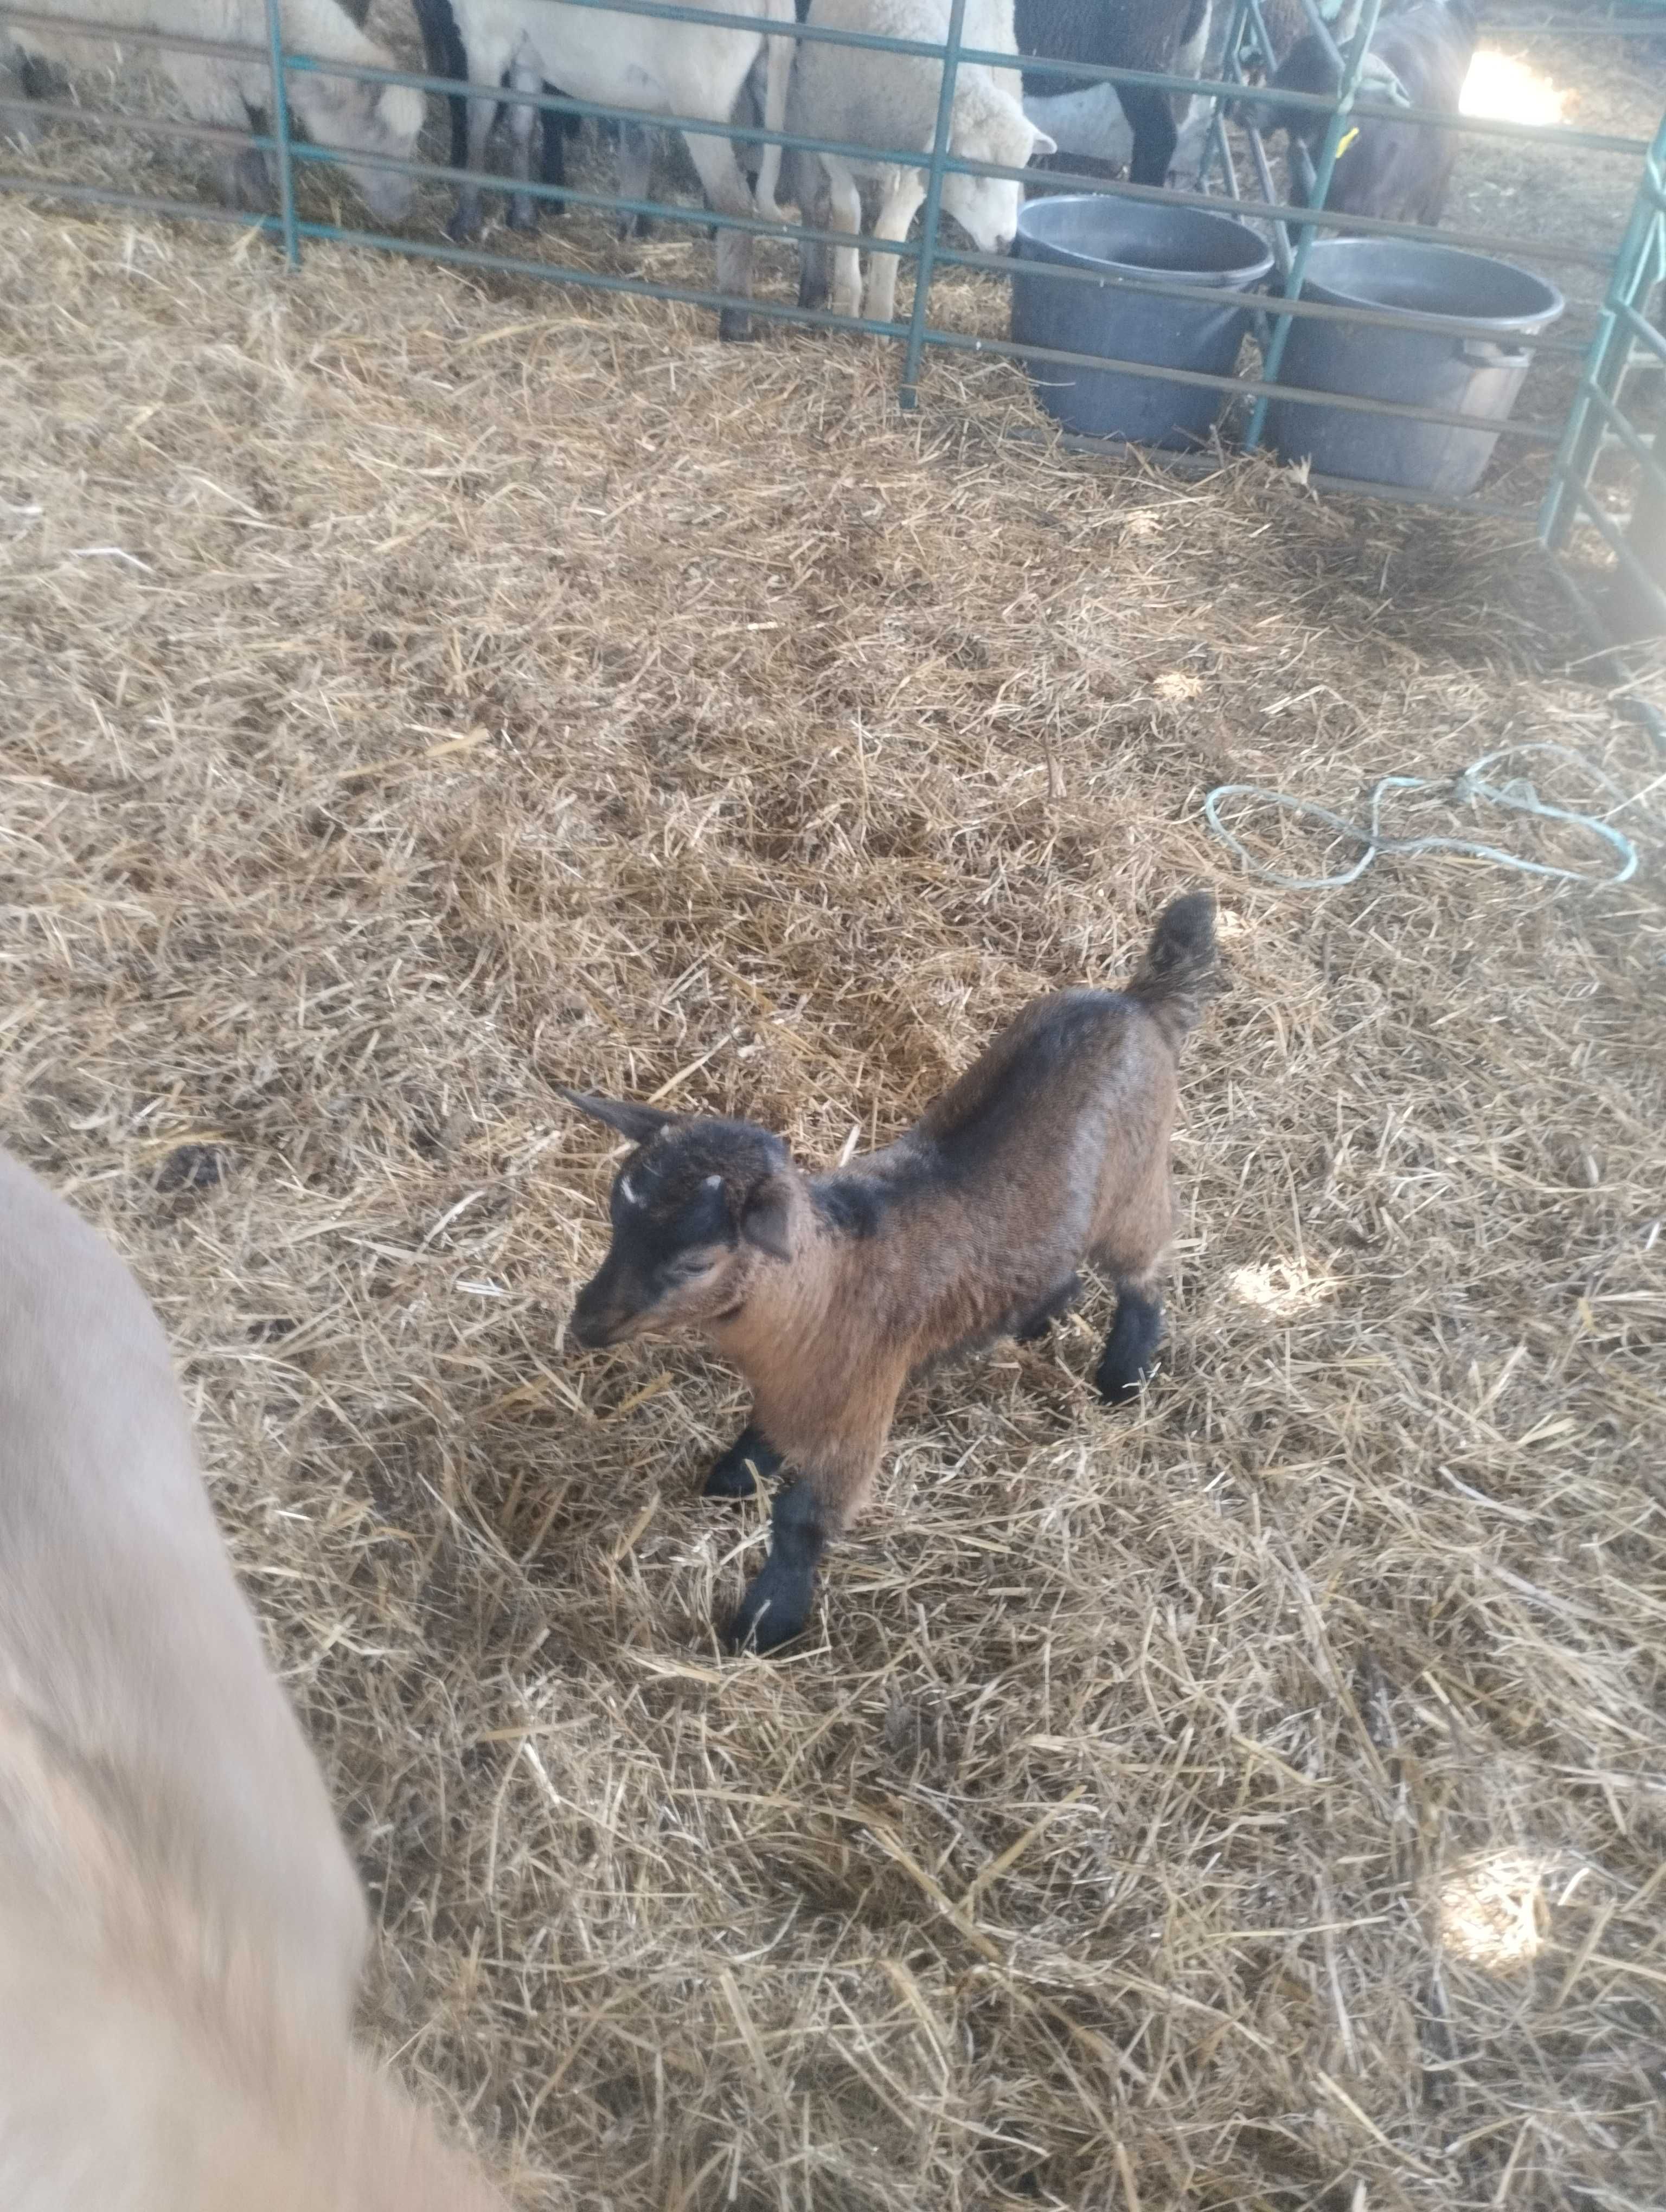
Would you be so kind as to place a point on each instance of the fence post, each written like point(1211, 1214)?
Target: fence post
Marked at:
point(908, 396)
point(1636, 267)
point(1354, 63)
point(280, 130)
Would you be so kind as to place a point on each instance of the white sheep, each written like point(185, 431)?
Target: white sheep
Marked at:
point(181, 1928)
point(643, 62)
point(341, 113)
point(863, 96)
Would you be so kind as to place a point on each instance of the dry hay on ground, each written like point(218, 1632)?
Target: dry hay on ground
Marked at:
point(419, 690)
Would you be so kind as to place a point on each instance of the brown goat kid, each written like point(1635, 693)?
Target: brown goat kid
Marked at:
point(181, 1926)
point(827, 1290)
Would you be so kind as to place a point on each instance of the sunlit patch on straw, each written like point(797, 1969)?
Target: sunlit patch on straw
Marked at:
point(1493, 1911)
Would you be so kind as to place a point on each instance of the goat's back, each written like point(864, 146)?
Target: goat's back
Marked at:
point(124, 1641)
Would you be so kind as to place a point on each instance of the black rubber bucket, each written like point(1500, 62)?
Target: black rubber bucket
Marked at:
point(1462, 375)
point(1222, 259)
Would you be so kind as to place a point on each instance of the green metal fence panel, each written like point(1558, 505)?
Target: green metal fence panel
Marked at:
point(1597, 431)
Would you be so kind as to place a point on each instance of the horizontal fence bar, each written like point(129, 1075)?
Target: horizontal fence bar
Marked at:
point(1529, 432)
point(1562, 250)
point(563, 104)
point(1645, 332)
point(1156, 80)
point(770, 310)
point(1610, 532)
point(576, 275)
point(1626, 432)
point(1304, 309)
point(1558, 250)
point(148, 126)
point(1533, 434)
point(219, 49)
point(1371, 110)
point(1639, 27)
point(1224, 94)
point(1184, 465)
point(1197, 468)
point(997, 265)
point(139, 203)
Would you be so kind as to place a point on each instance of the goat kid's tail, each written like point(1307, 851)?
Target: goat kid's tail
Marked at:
point(1180, 971)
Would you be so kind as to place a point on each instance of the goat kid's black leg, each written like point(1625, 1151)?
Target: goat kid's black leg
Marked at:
point(748, 1463)
point(1040, 1318)
point(776, 1606)
point(1130, 1354)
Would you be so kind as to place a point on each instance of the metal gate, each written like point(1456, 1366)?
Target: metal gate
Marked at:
point(1595, 465)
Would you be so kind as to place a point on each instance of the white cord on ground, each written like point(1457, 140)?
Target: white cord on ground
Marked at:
point(1469, 784)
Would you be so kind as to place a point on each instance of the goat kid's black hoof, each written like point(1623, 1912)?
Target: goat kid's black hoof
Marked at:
point(734, 326)
point(775, 1609)
point(743, 1468)
point(1129, 1358)
point(1115, 1386)
point(463, 230)
point(733, 1477)
point(523, 219)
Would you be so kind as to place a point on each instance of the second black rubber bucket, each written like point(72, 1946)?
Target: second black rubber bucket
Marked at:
point(1220, 257)
point(1474, 373)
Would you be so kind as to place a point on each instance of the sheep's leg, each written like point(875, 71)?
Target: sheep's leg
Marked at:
point(727, 190)
point(1037, 1322)
point(1150, 118)
point(466, 224)
point(903, 196)
point(18, 83)
point(552, 168)
point(1130, 1354)
point(749, 1462)
point(844, 213)
point(815, 256)
point(212, 93)
point(245, 180)
point(635, 175)
point(523, 121)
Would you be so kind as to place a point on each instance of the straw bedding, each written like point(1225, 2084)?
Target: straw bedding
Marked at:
point(420, 691)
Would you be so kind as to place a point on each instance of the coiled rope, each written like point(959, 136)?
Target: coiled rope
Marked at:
point(1469, 785)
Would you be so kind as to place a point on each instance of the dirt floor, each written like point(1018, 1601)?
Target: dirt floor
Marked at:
point(422, 689)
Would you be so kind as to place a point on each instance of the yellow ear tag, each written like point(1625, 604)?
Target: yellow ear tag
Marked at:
point(1348, 139)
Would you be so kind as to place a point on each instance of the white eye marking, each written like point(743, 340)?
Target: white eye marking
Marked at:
point(626, 1192)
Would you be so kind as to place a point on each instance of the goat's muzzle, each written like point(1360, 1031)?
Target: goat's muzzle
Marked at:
point(590, 1331)
point(599, 1317)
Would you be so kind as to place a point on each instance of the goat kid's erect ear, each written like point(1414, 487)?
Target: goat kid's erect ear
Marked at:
point(639, 1124)
point(763, 1217)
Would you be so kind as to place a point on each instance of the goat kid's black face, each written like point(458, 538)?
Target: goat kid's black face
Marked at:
point(692, 1209)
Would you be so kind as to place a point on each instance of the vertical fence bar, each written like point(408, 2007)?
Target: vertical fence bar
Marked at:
point(1215, 148)
point(1354, 63)
point(286, 169)
point(1609, 349)
point(908, 395)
